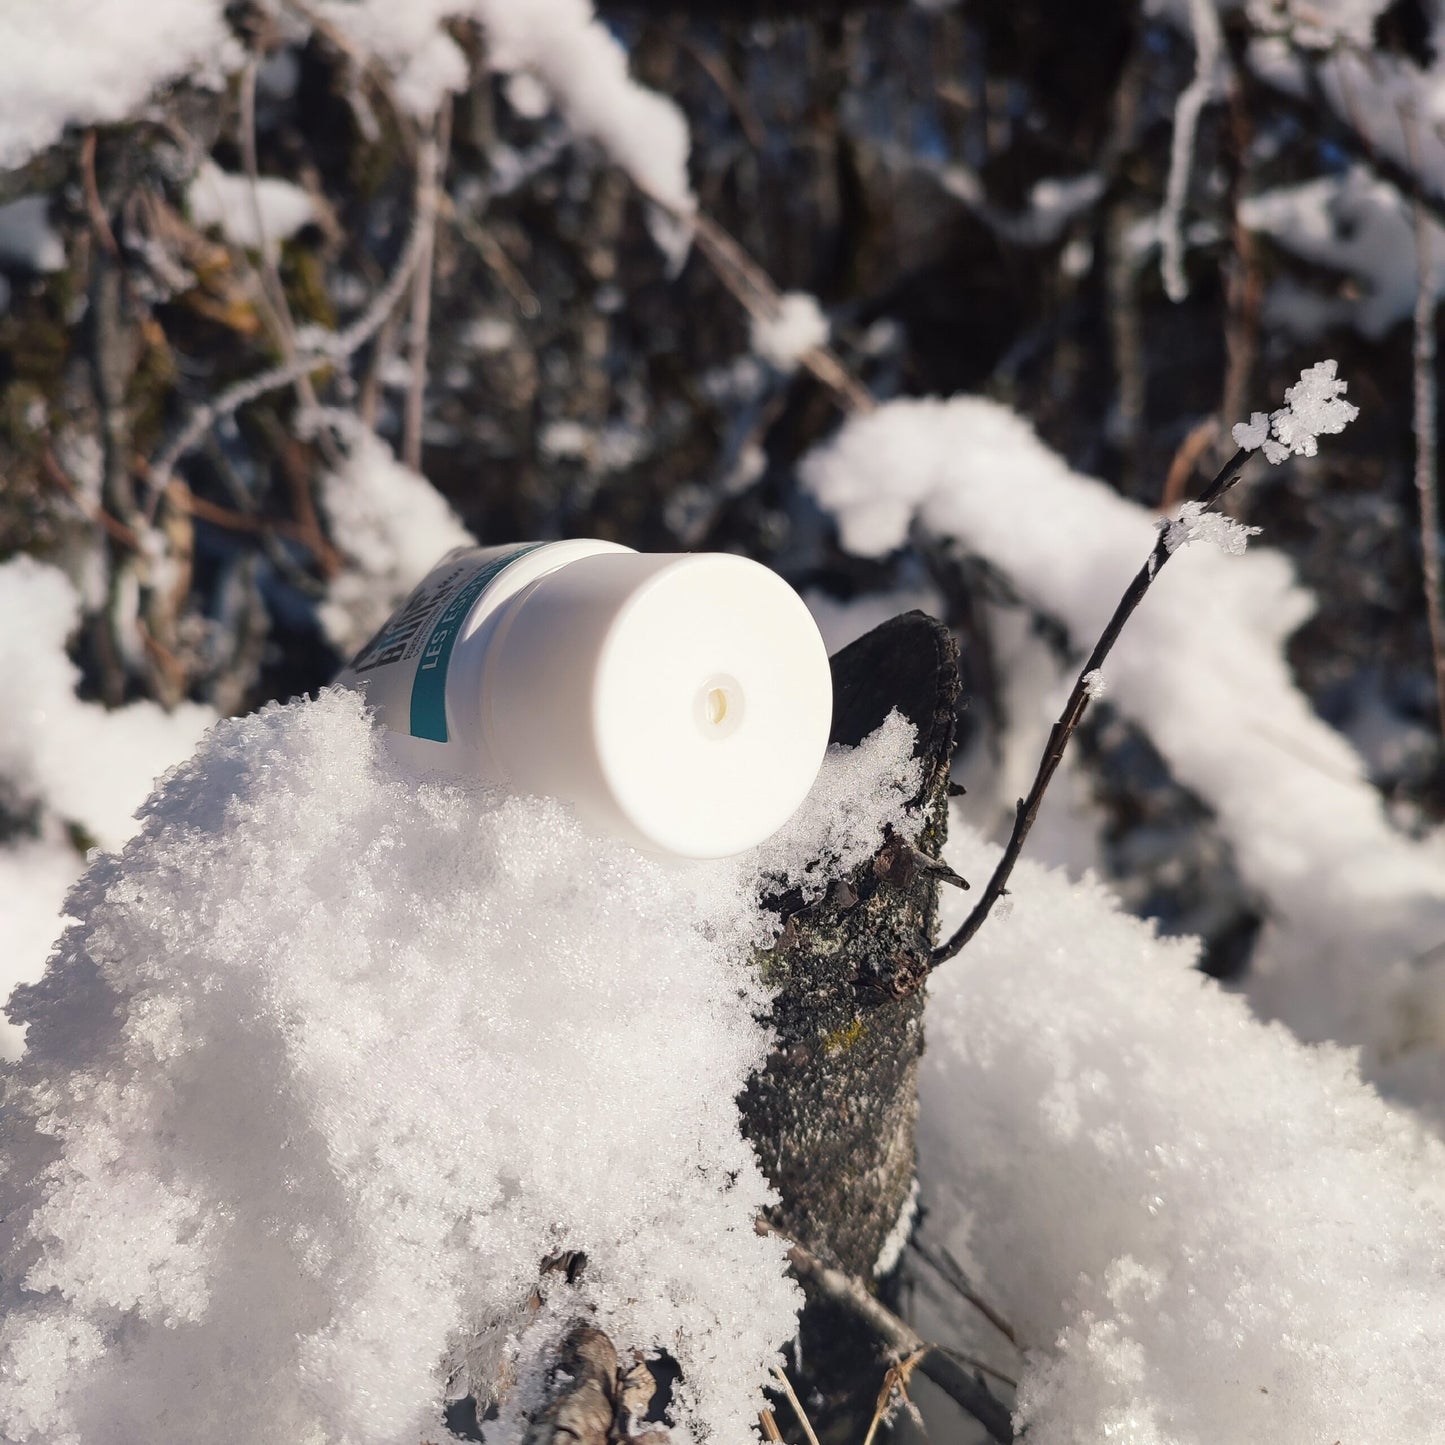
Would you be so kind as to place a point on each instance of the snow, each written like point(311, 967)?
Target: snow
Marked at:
point(1208, 46)
point(798, 327)
point(1200, 1228)
point(219, 198)
point(1195, 524)
point(1054, 201)
point(88, 62)
point(1393, 105)
point(390, 525)
point(35, 876)
point(80, 62)
point(88, 765)
point(559, 43)
point(27, 238)
point(891, 1250)
point(578, 59)
point(334, 1057)
point(1318, 24)
point(1353, 223)
point(1201, 668)
point(78, 762)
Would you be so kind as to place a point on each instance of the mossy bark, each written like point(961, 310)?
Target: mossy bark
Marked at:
point(833, 1115)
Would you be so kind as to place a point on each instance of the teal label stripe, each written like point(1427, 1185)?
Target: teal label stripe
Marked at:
point(429, 686)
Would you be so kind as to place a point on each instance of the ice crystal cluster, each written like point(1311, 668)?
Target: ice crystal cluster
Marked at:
point(1314, 406)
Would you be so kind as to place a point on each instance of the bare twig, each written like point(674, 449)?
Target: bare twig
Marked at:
point(92, 511)
point(275, 307)
point(967, 1390)
point(786, 1386)
point(716, 70)
point(94, 209)
point(1199, 439)
point(1027, 809)
point(421, 283)
point(948, 1269)
point(1244, 284)
point(1426, 459)
point(494, 257)
point(895, 1382)
point(1208, 43)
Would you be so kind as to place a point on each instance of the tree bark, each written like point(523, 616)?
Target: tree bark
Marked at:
point(833, 1115)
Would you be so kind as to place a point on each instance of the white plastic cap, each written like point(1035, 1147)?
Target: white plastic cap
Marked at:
point(682, 701)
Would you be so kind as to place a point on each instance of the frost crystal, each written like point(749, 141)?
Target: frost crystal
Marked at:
point(1251, 434)
point(1196, 524)
point(1094, 683)
point(1313, 407)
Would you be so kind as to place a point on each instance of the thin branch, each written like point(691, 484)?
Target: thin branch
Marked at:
point(753, 288)
point(1244, 281)
point(92, 511)
point(895, 1382)
point(94, 209)
point(321, 351)
point(1426, 458)
point(421, 284)
point(949, 1270)
point(1208, 44)
point(1197, 441)
point(494, 257)
point(1027, 809)
point(786, 1386)
point(968, 1391)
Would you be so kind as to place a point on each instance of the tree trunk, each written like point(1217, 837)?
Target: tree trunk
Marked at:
point(833, 1115)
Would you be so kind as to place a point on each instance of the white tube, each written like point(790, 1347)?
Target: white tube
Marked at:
point(682, 701)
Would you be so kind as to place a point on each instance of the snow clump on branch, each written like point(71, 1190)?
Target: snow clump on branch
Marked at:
point(798, 327)
point(389, 524)
point(335, 1057)
point(79, 62)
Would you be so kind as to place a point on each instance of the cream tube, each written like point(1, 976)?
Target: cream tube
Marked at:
point(682, 701)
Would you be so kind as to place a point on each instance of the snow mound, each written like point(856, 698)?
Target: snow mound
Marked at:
point(1201, 1229)
point(335, 1057)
